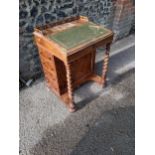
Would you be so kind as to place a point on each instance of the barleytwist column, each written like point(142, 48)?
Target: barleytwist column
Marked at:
point(105, 65)
point(69, 88)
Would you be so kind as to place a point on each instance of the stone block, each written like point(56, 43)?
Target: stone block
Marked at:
point(23, 14)
point(34, 11)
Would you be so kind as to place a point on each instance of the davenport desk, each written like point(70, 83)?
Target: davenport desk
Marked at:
point(67, 51)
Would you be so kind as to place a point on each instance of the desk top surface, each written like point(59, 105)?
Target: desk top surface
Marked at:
point(78, 34)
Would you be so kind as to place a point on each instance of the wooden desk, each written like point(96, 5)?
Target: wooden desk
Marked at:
point(67, 51)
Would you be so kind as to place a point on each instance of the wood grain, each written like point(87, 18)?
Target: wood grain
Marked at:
point(66, 69)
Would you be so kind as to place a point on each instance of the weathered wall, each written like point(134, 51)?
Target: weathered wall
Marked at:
point(124, 18)
point(38, 12)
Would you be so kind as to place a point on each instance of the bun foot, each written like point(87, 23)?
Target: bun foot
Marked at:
point(72, 108)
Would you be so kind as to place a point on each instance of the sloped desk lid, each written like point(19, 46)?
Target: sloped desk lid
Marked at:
point(78, 35)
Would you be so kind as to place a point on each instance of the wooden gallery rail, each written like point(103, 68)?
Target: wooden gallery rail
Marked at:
point(67, 51)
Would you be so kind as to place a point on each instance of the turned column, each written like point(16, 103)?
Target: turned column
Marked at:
point(105, 64)
point(69, 88)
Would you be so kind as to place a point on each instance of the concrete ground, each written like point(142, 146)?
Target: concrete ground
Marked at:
point(104, 124)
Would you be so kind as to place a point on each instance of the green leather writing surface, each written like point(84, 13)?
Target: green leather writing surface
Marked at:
point(77, 35)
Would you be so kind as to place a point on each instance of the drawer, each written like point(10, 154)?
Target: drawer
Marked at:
point(48, 66)
point(51, 81)
point(46, 55)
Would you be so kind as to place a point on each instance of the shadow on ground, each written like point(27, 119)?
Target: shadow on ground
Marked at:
point(106, 126)
point(112, 134)
point(117, 62)
point(115, 81)
point(120, 63)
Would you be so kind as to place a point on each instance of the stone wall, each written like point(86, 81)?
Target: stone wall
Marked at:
point(39, 12)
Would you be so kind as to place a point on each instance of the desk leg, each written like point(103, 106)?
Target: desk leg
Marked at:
point(69, 88)
point(105, 64)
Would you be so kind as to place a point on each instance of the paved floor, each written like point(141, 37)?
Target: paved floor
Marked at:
point(103, 125)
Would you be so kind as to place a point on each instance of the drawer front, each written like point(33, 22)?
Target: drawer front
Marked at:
point(46, 55)
point(51, 82)
point(48, 65)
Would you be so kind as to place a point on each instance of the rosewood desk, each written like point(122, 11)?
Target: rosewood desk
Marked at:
point(67, 52)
